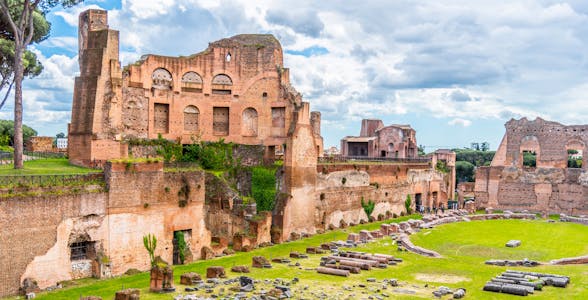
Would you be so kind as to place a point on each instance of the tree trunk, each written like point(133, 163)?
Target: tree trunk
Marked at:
point(18, 75)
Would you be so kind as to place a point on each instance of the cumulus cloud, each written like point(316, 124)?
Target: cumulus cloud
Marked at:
point(455, 60)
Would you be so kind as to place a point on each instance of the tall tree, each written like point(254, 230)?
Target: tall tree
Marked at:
point(20, 17)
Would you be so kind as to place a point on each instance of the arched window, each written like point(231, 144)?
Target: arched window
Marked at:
point(390, 147)
point(192, 82)
point(162, 79)
point(191, 114)
point(221, 84)
point(222, 79)
point(191, 77)
point(249, 122)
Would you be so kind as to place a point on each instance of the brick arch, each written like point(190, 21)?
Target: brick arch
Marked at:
point(191, 118)
point(249, 122)
point(162, 79)
point(222, 79)
point(191, 77)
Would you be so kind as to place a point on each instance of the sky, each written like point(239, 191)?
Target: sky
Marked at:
point(455, 70)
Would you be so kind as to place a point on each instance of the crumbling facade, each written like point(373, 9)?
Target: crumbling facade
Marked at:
point(539, 166)
point(377, 140)
point(237, 90)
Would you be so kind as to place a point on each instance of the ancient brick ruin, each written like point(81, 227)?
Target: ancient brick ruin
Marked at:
point(377, 140)
point(237, 89)
point(551, 179)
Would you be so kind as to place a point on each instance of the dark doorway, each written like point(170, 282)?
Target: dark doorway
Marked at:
point(418, 202)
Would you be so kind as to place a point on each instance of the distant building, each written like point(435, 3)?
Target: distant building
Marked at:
point(61, 143)
point(377, 140)
point(332, 151)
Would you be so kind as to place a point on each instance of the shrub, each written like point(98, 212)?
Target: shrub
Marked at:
point(263, 187)
point(407, 205)
point(368, 207)
point(179, 236)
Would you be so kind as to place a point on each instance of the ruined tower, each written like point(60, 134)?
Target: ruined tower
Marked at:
point(97, 93)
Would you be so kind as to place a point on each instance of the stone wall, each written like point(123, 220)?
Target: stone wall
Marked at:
point(236, 90)
point(549, 187)
point(141, 199)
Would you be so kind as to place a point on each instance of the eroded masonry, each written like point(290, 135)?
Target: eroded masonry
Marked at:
point(539, 166)
point(236, 90)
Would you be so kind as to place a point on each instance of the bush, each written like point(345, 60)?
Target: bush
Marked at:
point(263, 187)
point(407, 205)
point(368, 207)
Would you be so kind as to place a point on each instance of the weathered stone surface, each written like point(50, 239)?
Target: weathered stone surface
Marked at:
point(215, 272)
point(190, 278)
point(259, 262)
point(128, 294)
point(548, 187)
point(513, 243)
point(206, 253)
point(240, 269)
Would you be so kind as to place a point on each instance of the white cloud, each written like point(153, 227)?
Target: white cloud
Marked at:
point(460, 122)
point(457, 60)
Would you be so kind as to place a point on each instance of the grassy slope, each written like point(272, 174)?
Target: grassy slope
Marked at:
point(465, 247)
point(45, 166)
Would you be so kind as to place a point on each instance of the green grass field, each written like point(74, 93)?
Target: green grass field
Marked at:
point(464, 246)
point(53, 166)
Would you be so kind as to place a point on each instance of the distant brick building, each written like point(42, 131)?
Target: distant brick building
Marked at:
point(377, 140)
point(237, 89)
point(531, 169)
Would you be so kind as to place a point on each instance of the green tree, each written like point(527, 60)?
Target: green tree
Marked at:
point(32, 67)
point(7, 129)
point(18, 20)
point(529, 159)
point(464, 171)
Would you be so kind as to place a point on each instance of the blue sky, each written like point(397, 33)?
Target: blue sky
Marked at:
point(456, 70)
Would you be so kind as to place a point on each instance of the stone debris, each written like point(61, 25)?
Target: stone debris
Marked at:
point(240, 269)
point(215, 272)
point(501, 262)
point(295, 254)
point(128, 294)
point(570, 260)
point(459, 293)
point(442, 291)
point(190, 278)
point(523, 283)
point(260, 262)
point(513, 243)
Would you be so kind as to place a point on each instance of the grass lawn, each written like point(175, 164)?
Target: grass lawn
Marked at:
point(52, 166)
point(464, 246)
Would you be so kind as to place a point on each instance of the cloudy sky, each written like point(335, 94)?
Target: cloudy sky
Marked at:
point(455, 70)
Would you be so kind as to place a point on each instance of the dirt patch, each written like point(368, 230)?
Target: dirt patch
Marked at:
point(441, 278)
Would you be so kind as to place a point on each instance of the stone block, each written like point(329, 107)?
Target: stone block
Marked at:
point(215, 272)
point(513, 243)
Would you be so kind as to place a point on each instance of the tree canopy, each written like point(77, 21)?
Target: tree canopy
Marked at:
point(19, 18)
point(7, 129)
